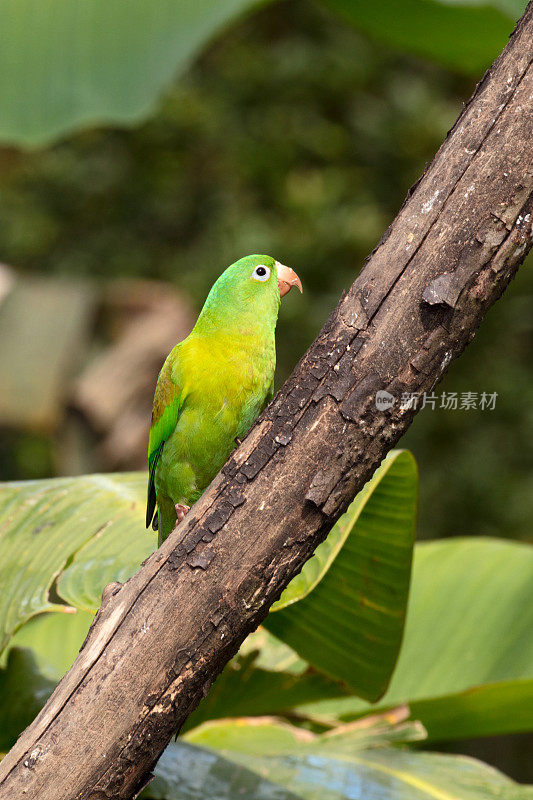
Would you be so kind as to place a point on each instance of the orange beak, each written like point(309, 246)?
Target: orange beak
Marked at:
point(287, 278)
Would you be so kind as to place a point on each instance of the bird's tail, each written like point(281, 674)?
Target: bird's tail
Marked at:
point(166, 521)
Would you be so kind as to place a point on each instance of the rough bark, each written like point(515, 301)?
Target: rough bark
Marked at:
point(160, 640)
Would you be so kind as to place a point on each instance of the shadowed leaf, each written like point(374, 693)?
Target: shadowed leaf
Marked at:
point(467, 656)
point(77, 64)
point(43, 523)
point(345, 612)
point(352, 765)
point(444, 31)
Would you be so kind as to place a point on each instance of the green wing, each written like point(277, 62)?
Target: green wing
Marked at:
point(269, 394)
point(168, 400)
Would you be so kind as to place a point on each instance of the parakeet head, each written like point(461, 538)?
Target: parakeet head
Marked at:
point(250, 289)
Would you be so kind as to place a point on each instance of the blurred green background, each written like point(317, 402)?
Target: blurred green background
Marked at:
point(292, 134)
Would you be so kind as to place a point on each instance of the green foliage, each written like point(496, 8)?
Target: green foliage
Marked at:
point(110, 542)
point(465, 665)
point(77, 71)
point(488, 709)
point(114, 553)
point(94, 61)
point(443, 30)
point(468, 630)
point(63, 540)
point(38, 656)
point(269, 761)
point(345, 612)
point(47, 522)
point(245, 688)
point(184, 770)
point(54, 639)
point(23, 692)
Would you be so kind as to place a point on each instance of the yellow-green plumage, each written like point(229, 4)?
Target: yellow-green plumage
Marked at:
point(212, 387)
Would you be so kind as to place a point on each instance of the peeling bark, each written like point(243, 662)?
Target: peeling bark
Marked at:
point(160, 640)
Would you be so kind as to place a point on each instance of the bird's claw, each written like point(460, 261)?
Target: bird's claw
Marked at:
point(181, 511)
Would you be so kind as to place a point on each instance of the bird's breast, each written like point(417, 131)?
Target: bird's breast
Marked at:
point(235, 378)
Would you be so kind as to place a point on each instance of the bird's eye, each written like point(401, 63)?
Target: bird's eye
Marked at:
point(261, 273)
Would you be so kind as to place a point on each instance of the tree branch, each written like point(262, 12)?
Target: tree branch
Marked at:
point(159, 641)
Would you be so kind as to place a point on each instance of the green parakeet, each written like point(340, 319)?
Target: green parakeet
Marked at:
point(213, 385)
